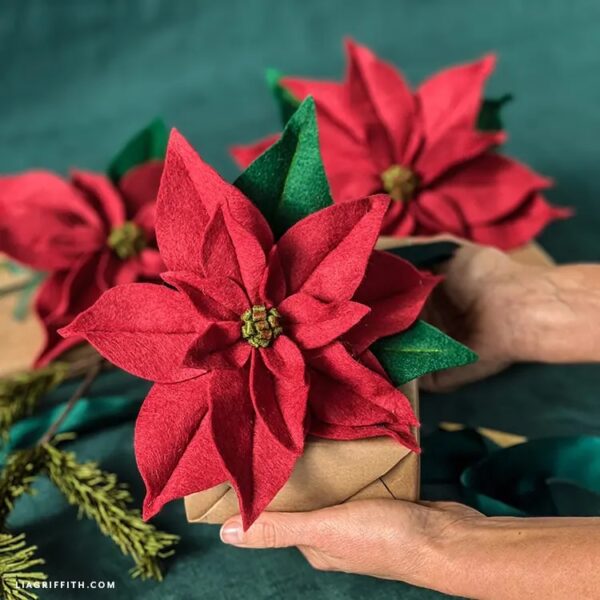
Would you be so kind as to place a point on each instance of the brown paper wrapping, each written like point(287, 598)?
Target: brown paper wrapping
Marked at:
point(328, 473)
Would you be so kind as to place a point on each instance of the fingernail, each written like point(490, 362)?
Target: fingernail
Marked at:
point(231, 533)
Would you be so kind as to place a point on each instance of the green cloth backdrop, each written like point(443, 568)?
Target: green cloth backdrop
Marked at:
point(78, 78)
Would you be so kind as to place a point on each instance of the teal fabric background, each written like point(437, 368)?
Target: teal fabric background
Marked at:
point(79, 77)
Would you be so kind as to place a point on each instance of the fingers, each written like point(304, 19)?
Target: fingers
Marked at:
point(270, 530)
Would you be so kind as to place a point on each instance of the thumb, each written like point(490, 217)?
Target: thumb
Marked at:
point(270, 530)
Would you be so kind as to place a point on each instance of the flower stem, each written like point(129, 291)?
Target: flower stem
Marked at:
point(82, 388)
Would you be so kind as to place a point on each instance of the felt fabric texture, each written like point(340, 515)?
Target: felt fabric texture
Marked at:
point(81, 74)
point(373, 122)
point(221, 409)
point(65, 227)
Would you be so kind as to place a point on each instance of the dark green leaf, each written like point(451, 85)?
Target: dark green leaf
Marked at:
point(419, 350)
point(149, 144)
point(287, 182)
point(286, 102)
point(489, 118)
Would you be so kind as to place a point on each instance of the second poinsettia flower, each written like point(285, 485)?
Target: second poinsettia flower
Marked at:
point(87, 233)
point(424, 149)
point(254, 343)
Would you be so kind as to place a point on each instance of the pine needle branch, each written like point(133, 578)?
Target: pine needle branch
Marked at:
point(99, 496)
point(20, 393)
point(16, 560)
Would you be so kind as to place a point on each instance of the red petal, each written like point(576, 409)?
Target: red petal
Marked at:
point(454, 149)
point(216, 299)
point(348, 377)
point(257, 465)
point(325, 254)
point(174, 449)
point(330, 431)
point(385, 103)
point(102, 195)
point(395, 292)
point(490, 187)
point(45, 223)
point(231, 250)
point(143, 328)
point(312, 323)
point(219, 347)
point(452, 98)
point(244, 155)
point(279, 391)
point(150, 264)
point(436, 213)
point(189, 194)
point(399, 220)
point(139, 186)
point(521, 226)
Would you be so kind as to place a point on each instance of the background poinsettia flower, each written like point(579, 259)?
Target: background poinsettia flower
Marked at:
point(254, 343)
point(86, 233)
point(423, 148)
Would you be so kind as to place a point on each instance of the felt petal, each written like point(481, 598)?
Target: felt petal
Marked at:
point(402, 435)
point(219, 347)
point(216, 299)
point(143, 328)
point(174, 449)
point(139, 186)
point(399, 220)
point(257, 465)
point(395, 292)
point(380, 95)
point(243, 155)
point(312, 323)
point(146, 219)
point(53, 346)
point(521, 226)
point(102, 195)
point(233, 251)
point(490, 187)
point(453, 150)
point(190, 191)
point(150, 264)
point(350, 376)
point(279, 391)
point(452, 98)
point(333, 105)
point(325, 255)
point(45, 223)
point(435, 213)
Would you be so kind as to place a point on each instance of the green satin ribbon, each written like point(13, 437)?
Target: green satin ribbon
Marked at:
point(557, 476)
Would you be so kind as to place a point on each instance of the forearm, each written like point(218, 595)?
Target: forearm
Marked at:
point(554, 314)
point(506, 558)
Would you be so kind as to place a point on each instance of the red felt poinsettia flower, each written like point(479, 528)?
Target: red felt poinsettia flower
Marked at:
point(423, 148)
point(86, 233)
point(254, 343)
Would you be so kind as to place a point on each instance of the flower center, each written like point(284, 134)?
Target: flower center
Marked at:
point(399, 182)
point(260, 326)
point(127, 240)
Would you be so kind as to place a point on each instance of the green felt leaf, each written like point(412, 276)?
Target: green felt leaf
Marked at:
point(287, 103)
point(148, 144)
point(287, 182)
point(490, 118)
point(426, 256)
point(419, 350)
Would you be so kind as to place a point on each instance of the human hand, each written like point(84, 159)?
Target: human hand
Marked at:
point(483, 302)
point(390, 539)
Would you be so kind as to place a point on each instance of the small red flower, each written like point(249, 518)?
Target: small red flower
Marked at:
point(254, 343)
point(424, 150)
point(87, 234)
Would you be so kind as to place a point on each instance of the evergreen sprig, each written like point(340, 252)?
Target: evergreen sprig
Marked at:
point(16, 560)
point(20, 393)
point(99, 496)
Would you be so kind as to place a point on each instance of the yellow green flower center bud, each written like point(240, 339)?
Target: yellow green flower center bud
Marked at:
point(127, 240)
point(399, 182)
point(260, 326)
